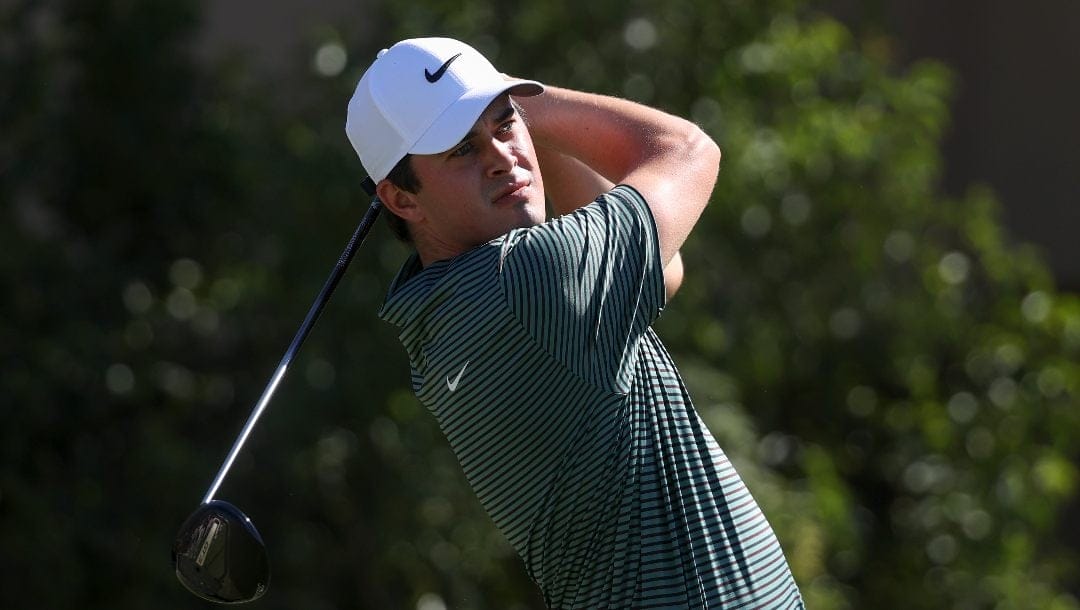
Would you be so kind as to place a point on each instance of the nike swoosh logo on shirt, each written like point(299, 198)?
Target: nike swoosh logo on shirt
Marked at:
point(452, 385)
point(434, 78)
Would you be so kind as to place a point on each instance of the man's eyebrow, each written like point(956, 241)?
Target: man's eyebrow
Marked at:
point(504, 115)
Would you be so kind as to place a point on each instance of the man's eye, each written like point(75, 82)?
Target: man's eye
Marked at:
point(506, 127)
point(462, 150)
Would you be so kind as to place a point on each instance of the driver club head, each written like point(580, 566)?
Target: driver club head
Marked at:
point(220, 556)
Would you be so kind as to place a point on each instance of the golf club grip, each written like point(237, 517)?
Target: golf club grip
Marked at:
point(301, 334)
point(335, 276)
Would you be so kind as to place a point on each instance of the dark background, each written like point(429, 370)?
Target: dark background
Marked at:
point(1015, 115)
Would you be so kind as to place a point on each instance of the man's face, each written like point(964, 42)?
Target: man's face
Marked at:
point(486, 185)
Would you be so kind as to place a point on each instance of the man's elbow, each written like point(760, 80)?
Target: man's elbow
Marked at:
point(700, 164)
point(707, 152)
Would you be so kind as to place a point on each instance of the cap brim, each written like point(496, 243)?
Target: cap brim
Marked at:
point(456, 121)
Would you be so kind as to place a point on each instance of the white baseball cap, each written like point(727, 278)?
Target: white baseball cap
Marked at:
point(422, 96)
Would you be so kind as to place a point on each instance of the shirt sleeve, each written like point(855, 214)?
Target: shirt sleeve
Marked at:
point(588, 285)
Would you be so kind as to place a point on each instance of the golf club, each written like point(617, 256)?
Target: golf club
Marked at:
point(218, 554)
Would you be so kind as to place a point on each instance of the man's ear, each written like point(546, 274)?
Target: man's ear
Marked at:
point(401, 202)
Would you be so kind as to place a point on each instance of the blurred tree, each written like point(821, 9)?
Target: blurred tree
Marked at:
point(107, 175)
point(913, 377)
point(897, 384)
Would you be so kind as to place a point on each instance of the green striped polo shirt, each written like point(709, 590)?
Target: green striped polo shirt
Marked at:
point(536, 355)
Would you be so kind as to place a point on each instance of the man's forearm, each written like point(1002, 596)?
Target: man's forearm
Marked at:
point(666, 158)
point(568, 182)
point(673, 276)
point(612, 136)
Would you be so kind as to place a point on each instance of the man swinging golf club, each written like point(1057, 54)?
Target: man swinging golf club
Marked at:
point(530, 339)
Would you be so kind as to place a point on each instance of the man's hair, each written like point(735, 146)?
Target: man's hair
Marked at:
point(403, 177)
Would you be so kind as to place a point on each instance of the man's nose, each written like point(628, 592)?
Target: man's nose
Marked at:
point(501, 157)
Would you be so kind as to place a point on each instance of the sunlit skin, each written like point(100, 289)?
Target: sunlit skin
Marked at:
point(485, 186)
point(490, 183)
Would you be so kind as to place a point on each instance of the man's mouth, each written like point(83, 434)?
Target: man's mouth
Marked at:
point(512, 193)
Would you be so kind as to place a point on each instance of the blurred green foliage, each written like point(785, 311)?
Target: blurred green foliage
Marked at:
point(897, 381)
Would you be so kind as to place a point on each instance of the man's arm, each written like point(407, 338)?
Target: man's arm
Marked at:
point(669, 160)
point(570, 184)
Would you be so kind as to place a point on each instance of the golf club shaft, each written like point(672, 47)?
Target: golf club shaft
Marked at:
point(313, 314)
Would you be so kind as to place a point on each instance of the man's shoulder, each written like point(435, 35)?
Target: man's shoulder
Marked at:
point(465, 278)
point(622, 198)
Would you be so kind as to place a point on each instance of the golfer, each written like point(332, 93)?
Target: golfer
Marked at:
point(530, 339)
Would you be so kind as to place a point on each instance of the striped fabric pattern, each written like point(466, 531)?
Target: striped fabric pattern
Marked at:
point(536, 355)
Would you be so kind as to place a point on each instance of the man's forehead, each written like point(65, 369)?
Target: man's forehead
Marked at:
point(497, 111)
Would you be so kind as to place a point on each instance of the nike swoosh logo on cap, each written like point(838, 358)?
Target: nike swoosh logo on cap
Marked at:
point(434, 78)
